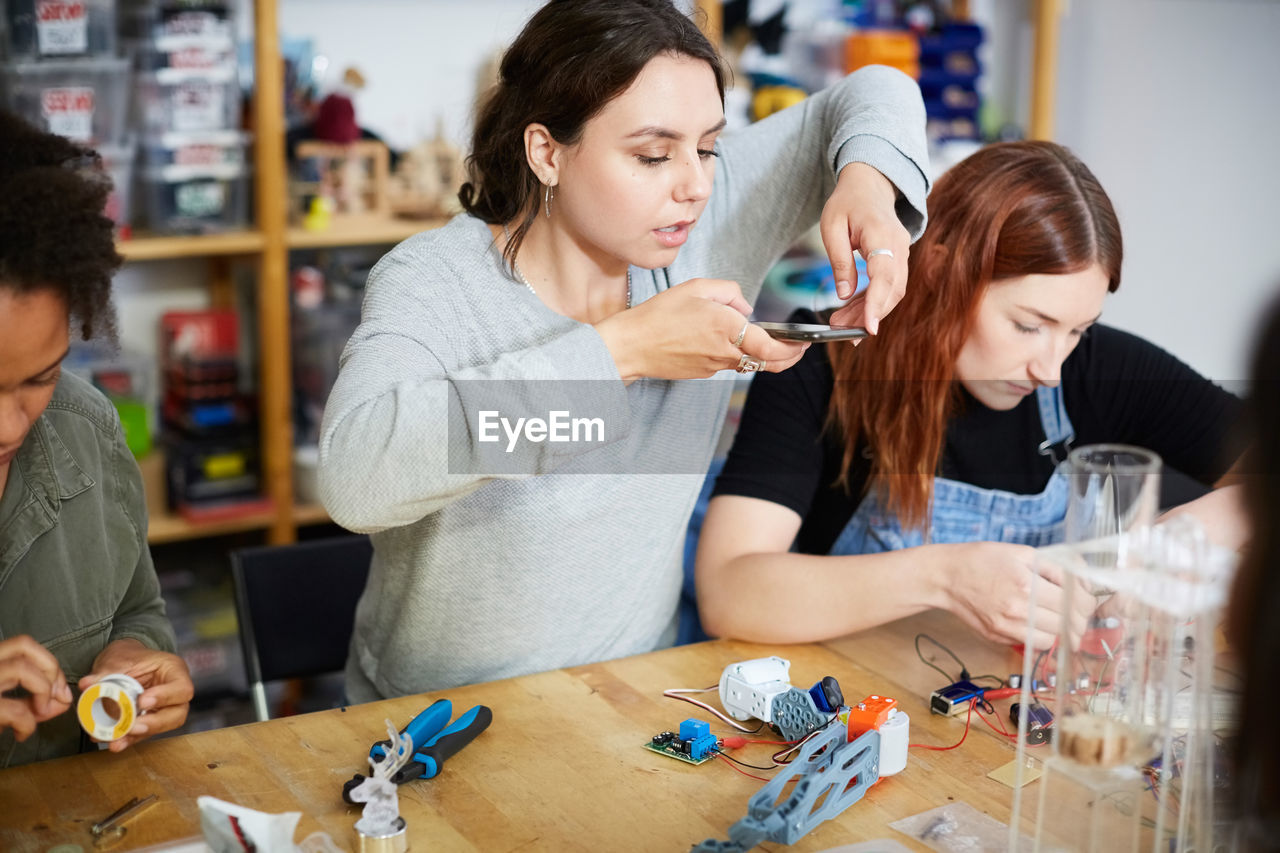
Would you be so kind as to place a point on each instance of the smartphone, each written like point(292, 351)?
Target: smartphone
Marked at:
point(812, 332)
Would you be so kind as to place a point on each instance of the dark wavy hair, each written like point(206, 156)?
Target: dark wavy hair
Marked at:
point(569, 61)
point(1008, 210)
point(1252, 623)
point(54, 234)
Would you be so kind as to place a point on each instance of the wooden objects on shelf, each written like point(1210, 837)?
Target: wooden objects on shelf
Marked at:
point(426, 179)
point(336, 185)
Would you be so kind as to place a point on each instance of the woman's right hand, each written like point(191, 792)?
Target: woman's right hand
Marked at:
point(26, 664)
point(688, 332)
point(988, 585)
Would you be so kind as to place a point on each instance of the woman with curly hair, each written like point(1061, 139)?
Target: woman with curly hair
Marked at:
point(920, 470)
point(79, 598)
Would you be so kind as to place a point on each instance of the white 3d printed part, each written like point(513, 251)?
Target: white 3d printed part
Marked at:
point(747, 688)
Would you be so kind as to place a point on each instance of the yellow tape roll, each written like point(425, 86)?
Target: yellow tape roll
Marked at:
point(94, 717)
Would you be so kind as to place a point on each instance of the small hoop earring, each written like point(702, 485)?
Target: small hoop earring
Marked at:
point(547, 196)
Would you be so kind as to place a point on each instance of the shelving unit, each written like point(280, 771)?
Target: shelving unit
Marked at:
point(270, 241)
point(268, 245)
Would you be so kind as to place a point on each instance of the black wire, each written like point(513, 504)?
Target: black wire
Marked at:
point(999, 681)
point(1035, 666)
point(795, 748)
point(927, 662)
point(724, 754)
point(1035, 697)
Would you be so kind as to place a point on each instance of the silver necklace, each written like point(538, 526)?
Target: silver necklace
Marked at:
point(516, 266)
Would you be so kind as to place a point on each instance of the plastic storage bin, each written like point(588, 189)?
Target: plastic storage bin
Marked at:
point(39, 29)
point(84, 100)
point(118, 162)
point(178, 25)
point(205, 58)
point(185, 100)
point(127, 378)
point(196, 199)
point(209, 148)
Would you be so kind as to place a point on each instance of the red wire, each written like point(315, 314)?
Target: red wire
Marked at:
point(1000, 731)
point(968, 718)
point(740, 770)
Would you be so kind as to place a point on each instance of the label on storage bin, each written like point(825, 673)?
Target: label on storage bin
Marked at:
point(198, 105)
point(200, 199)
point(200, 155)
point(193, 24)
point(68, 111)
point(62, 26)
point(199, 57)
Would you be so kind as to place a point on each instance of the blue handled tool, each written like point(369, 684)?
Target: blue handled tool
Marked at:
point(434, 739)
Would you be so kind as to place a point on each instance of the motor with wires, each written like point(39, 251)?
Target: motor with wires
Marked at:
point(761, 688)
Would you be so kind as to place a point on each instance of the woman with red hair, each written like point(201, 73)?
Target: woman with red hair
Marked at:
point(920, 469)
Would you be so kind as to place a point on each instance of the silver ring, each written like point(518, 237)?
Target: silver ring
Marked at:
point(750, 364)
point(874, 252)
point(737, 342)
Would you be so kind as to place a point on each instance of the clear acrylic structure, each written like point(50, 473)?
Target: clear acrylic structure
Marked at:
point(1133, 761)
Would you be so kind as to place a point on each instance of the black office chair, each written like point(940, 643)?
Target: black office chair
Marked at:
point(296, 606)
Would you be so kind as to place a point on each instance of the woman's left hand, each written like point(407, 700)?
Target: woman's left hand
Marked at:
point(860, 215)
point(166, 686)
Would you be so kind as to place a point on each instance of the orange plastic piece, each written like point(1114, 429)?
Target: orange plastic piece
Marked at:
point(869, 714)
point(896, 48)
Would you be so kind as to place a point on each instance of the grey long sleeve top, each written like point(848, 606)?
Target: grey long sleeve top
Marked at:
point(491, 564)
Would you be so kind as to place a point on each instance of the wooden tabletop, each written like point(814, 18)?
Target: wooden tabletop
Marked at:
point(561, 768)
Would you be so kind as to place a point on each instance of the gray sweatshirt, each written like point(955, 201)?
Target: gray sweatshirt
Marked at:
point(500, 551)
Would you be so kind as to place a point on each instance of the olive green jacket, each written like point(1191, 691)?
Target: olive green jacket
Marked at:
point(75, 571)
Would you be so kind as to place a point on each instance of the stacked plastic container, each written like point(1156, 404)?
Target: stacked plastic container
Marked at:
point(949, 72)
point(194, 164)
point(63, 73)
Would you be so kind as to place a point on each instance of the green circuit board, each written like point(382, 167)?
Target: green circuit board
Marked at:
point(669, 752)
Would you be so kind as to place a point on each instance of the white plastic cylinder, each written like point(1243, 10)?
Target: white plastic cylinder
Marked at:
point(894, 734)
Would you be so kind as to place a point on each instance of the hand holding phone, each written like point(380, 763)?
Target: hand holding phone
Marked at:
point(812, 332)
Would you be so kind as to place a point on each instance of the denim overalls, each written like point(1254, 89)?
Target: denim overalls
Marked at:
point(961, 512)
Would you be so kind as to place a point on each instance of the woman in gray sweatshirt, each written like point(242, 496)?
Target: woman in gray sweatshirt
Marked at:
point(524, 416)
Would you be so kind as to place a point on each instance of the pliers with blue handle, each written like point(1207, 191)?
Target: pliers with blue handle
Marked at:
point(434, 739)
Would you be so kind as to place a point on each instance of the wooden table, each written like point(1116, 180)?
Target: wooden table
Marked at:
point(561, 768)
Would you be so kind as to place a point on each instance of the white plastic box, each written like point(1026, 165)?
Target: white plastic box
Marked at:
point(187, 100)
point(175, 26)
point(58, 29)
point(196, 199)
point(85, 100)
point(203, 148)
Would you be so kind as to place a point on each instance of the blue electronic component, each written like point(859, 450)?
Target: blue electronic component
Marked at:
point(690, 729)
point(702, 746)
point(954, 698)
point(1039, 721)
point(697, 734)
point(826, 695)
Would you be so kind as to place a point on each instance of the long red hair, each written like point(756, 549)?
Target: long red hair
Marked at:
point(1008, 210)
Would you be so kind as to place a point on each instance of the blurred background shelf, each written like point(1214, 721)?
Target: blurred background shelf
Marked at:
point(305, 514)
point(148, 248)
point(373, 231)
point(165, 527)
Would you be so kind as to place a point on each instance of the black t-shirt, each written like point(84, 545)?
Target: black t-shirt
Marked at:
point(1116, 387)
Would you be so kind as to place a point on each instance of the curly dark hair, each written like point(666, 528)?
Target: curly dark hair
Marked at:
point(53, 231)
